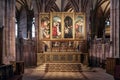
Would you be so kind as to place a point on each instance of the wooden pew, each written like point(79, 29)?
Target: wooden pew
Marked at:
point(117, 72)
point(110, 65)
point(6, 73)
point(18, 67)
point(16, 77)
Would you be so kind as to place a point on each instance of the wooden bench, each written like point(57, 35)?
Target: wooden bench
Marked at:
point(18, 67)
point(6, 73)
point(110, 65)
point(16, 77)
point(117, 72)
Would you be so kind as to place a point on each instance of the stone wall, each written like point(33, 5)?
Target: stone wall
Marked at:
point(98, 52)
point(23, 24)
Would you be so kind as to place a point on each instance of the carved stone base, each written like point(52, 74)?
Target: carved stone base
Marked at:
point(58, 67)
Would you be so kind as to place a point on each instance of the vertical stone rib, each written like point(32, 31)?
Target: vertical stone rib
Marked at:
point(12, 29)
point(114, 14)
point(112, 28)
point(9, 31)
point(6, 26)
point(117, 30)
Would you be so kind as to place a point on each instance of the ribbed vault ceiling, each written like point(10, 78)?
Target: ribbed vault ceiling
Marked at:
point(63, 5)
point(99, 8)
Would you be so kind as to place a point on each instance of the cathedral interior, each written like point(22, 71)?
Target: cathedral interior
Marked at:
point(59, 40)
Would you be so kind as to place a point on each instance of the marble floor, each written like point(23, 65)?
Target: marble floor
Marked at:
point(94, 74)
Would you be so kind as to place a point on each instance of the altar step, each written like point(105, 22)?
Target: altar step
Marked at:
point(85, 68)
point(63, 67)
point(41, 67)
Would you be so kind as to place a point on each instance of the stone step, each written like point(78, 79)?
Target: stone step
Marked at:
point(41, 67)
point(65, 67)
point(58, 67)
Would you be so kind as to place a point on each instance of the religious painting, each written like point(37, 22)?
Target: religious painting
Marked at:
point(68, 25)
point(62, 26)
point(44, 26)
point(79, 26)
point(56, 26)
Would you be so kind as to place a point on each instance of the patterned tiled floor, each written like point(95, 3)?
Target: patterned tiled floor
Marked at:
point(96, 74)
point(64, 75)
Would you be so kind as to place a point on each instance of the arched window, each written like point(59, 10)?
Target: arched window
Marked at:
point(33, 28)
point(107, 22)
point(107, 28)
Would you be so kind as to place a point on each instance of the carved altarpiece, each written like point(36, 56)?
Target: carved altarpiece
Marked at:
point(61, 30)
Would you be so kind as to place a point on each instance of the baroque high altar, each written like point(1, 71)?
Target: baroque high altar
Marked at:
point(62, 39)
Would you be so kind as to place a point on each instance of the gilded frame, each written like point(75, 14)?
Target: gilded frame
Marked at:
point(44, 26)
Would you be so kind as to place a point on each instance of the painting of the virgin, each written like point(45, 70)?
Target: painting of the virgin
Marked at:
point(68, 28)
point(56, 27)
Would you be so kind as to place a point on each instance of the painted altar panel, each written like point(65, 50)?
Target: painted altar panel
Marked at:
point(62, 26)
point(56, 26)
point(44, 29)
point(79, 26)
point(68, 25)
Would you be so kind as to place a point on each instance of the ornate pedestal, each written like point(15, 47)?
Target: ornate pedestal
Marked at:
point(62, 61)
point(52, 67)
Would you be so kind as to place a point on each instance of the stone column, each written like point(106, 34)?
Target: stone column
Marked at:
point(30, 16)
point(36, 31)
point(88, 24)
point(114, 28)
point(23, 24)
point(2, 8)
point(9, 32)
point(36, 15)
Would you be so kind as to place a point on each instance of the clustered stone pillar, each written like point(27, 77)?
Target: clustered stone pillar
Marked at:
point(36, 31)
point(1, 28)
point(115, 24)
point(23, 24)
point(36, 16)
point(9, 32)
point(2, 4)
